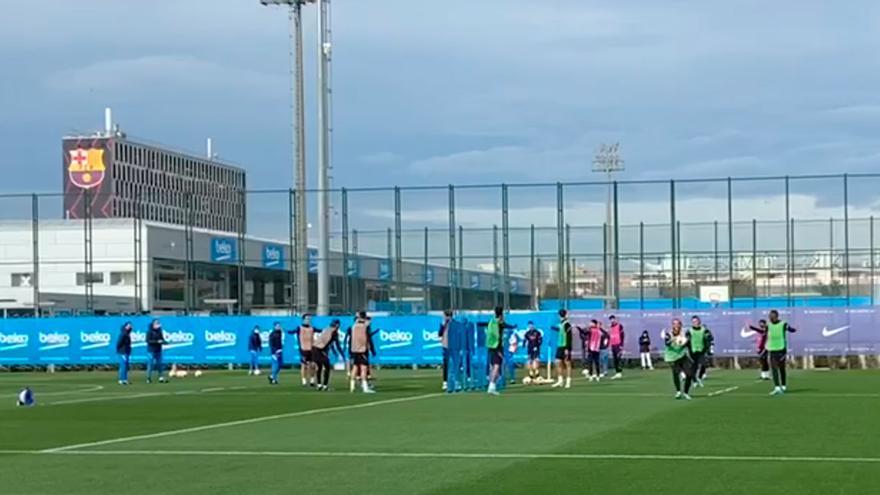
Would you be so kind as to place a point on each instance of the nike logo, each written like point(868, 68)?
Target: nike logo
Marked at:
point(835, 331)
point(746, 333)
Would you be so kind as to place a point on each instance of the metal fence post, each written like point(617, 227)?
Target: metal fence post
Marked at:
point(561, 263)
point(754, 263)
point(793, 251)
point(460, 273)
point(568, 270)
point(425, 288)
point(678, 261)
point(505, 244)
point(35, 238)
point(787, 241)
point(672, 241)
point(452, 276)
point(732, 287)
point(642, 265)
point(846, 235)
point(87, 245)
point(831, 251)
point(389, 252)
point(346, 277)
point(532, 268)
point(495, 266)
point(616, 264)
point(291, 250)
point(398, 251)
point(871, 262)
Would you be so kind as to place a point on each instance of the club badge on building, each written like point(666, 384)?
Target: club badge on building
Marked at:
point(86, 169)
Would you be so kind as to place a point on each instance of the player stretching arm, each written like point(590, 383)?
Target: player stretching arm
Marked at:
point(616, 336)
point(533, 339)
point(305, 334)
point(359, 344)
point(777, 345)
point(326, 341)
point(495, 347)
point(761, 347)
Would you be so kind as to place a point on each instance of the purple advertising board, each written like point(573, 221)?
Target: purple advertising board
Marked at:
point(820, 331)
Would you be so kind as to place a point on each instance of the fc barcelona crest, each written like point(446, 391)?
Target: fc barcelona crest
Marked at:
point(86, 169)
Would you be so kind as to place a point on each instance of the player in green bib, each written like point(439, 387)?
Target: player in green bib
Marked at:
point(563, 350)
point(777, 346)
point(700, 339)
point(677, 354)
point(495, 346)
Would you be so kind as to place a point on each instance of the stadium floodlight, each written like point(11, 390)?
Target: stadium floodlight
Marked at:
point(301, 269)
point(607, 161)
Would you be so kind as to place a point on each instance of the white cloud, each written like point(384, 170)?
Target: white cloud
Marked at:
point(381, 158)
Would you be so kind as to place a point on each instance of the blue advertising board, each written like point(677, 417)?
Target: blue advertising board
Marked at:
point(224, 249)
point(384, 269)
point(273, 256)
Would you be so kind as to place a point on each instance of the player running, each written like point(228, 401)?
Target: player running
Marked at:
point(360, 342)
point(616, 337)
point(325, 341)
point(645, 351)
point(276, 350)
point(533, 340)
point(699, 338)
point(444, 343)
point(676, 354)
point(761, 344)
point(305, 334)
point(777, 346)
point(563, 350)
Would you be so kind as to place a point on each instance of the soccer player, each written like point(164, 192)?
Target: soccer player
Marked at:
point(563, 350)
point(276, 350)
point(495, 347)
point(360, 342)
point(155, 341)
point(444, 343)
point(593, 345)
point(777, 346)
point(699, 339)
point(645, 351)
point(676, 354)
point(509, 354)
point(305, 335)
point(616, 337)
point(123, 349)
point(25, 398)
point(533, 339)
point(325, 341)
point(603, 351)
point(255, 347)
point(761, 343)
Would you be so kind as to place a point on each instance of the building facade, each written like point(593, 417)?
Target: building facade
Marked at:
point(111, 176)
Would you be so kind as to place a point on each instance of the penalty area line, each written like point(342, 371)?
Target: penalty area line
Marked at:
point(453, 455)
point(722, 391)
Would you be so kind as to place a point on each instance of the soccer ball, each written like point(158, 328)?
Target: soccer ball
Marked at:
point(257, 372)
point(197, 373)
point(527, 380)
point(680, 340)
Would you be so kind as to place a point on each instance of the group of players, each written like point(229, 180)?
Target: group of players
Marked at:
point(686, 351)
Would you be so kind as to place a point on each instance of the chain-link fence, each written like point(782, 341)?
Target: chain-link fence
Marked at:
point(735, 242)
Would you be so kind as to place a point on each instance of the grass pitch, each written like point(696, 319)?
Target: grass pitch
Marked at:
point(228, 433)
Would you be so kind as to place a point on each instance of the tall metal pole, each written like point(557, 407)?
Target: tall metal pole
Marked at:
point(35, 238)
point(731, 291)
point(324, 47)
point(302, 233)
point(846, 236)
point(505, 244)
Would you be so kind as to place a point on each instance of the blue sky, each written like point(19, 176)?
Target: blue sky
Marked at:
point(464, 91)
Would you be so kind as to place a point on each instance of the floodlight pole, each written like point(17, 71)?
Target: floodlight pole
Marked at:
point(324, 48)
point(608, 161)
point(300, 255)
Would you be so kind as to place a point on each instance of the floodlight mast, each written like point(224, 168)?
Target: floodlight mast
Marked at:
point(608, 161)
point(300, 291)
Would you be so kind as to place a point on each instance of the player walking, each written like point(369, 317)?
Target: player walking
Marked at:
point(360, 342)
point(305, 334)
point(699, 339)
point(777, 346)
point(594, 337)
point(276, 350)
point(495, 346)
point(676, 354)
point(444, 343)
point(123, 349)
point(761, 344)
point(155, 341)
point(255, 347)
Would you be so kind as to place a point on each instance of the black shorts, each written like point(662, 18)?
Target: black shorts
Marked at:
point(534, 354)
point(496, 356)
point(306, 356)
point(778, 356)
point(360, 359)
point(563, 353)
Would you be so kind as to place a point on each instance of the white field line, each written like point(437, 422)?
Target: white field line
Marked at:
point(240, 422)
point(451, 455)
point(722, 391)
point(87, 389)
point(214, 389)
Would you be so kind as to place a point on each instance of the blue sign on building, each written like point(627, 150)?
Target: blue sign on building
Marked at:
point(353, 267)
point(273, 256)
point(384, 269)
point(475, 281)
point(429, 275)
point(313, 260)
point(514, 285)
point(224, 250)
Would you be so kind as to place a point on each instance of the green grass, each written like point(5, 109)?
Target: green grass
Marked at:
point(613, 437)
